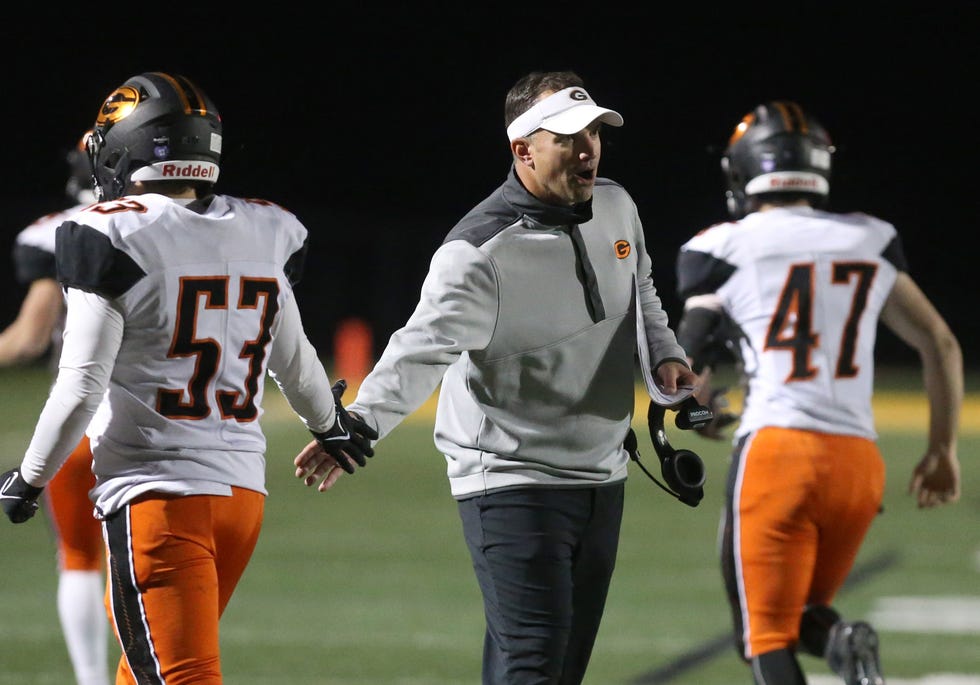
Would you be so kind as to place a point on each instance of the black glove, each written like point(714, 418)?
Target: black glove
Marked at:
point(349, 436)
point(18, 498)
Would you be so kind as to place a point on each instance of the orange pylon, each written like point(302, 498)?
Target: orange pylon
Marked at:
point(353, 351)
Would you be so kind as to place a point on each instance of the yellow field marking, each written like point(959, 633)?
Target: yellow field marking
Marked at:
point(906, 411)
point(895, 411)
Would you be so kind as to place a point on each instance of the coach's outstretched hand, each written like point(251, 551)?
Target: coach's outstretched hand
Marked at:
point(349, 440)
point(17, 497)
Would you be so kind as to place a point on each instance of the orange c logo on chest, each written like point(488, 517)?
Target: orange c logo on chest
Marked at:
point(622, 248)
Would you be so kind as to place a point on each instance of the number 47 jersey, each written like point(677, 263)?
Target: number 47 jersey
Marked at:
point(202, 289)
point(805, 288)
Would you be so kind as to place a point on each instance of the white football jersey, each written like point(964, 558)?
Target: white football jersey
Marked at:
point(805, 288)
point(34, 258)
point(201, 295)
point(39, 235)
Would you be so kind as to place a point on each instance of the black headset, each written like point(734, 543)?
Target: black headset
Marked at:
point(683, 470)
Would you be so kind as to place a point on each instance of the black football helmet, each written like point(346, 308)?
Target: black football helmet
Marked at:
point(154, 127)
point(80, 186)
point(776, 148)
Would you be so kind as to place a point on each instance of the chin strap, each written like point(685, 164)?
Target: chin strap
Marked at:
point(682, 469)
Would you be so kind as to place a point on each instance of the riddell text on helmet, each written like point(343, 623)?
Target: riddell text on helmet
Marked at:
point(793, 182)
point(202, 171)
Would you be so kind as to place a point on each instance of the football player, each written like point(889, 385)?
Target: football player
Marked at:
point(805, 289)
point(179, 302)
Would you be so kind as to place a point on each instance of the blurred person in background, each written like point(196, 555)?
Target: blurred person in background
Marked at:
point(797, 292)
point(37, 330)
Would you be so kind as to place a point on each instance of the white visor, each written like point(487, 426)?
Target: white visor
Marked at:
point(788, 182)
point(566, 112)
point(177, 170)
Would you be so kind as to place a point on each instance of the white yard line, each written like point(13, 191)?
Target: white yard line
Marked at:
point(911, 614)
point(931, 679)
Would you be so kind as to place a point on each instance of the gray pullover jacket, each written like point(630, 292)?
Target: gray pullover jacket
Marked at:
point(527, 317)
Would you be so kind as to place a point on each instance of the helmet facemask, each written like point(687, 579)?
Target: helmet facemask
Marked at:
point(108, 170)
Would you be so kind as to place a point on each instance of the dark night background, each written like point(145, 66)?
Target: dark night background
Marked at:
point(379, 129)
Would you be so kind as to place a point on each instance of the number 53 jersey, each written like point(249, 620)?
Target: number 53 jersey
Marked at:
point(201, 289)
point(805, 289)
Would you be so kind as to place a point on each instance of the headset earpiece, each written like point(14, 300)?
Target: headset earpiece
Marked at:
point(682, 469)
point(684, 472)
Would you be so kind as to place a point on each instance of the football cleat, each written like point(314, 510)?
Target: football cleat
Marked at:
point(852, 652)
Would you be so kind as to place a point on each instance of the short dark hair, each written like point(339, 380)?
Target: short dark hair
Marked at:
point(528, 89)
point(168, 187)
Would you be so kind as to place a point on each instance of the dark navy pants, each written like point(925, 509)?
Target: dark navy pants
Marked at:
point(543, 558)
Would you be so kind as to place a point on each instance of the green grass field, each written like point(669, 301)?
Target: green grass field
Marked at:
point(370, 583)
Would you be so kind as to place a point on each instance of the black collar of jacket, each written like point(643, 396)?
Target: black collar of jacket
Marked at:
point(550, 215)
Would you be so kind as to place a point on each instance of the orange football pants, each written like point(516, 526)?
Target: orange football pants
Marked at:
point(174, 563)
point(78, 532)
point(799, 505)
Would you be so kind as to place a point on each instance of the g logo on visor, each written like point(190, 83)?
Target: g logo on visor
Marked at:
point(119, 105)
point(578, 94)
